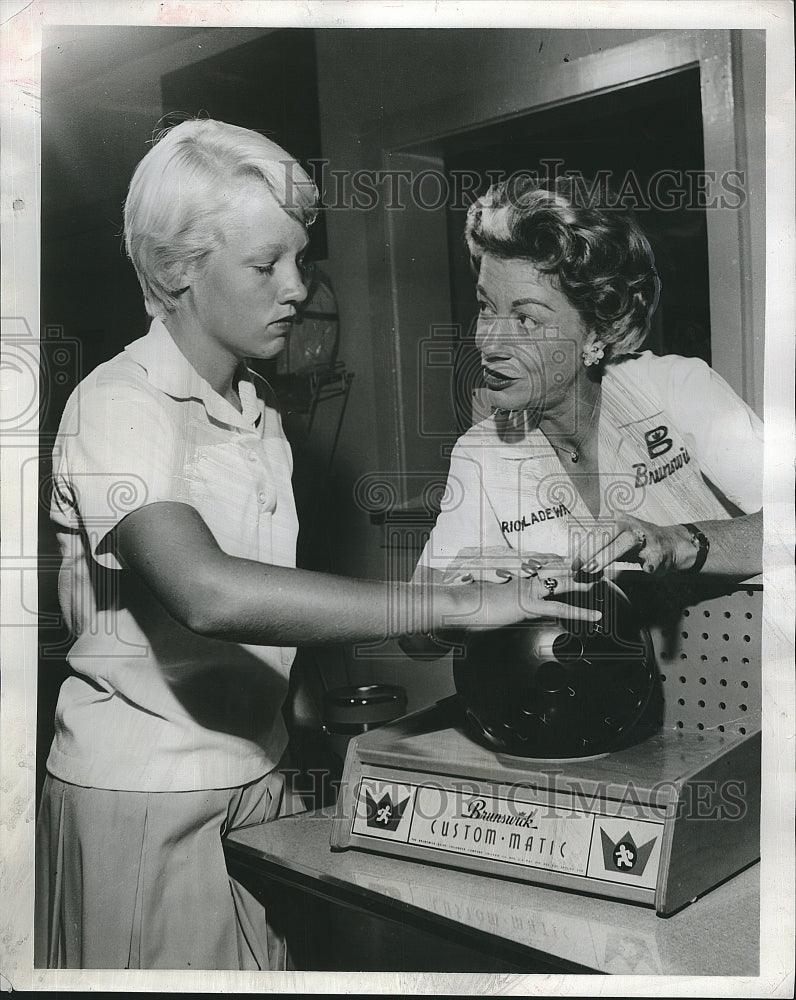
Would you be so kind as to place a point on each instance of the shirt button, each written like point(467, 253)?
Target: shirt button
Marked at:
point(261, 496)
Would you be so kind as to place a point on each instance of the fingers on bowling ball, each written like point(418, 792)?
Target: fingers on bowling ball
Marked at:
point(586, 711)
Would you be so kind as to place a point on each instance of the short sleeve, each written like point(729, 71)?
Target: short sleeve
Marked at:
point(118, 450)
point(466, 518)
point(725, 435)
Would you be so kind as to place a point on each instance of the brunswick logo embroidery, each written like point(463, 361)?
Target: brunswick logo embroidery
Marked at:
point(383, 814)
point(657, 441)
point(624, 856)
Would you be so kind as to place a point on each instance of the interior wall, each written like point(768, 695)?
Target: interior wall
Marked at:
point(749, 53)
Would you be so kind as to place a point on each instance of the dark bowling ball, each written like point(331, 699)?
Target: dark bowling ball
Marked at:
point(554, 689)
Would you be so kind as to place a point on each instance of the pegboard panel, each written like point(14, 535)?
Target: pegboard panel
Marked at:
point(711, 665)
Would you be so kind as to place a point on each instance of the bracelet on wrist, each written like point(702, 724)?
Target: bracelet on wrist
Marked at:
point(701, 543)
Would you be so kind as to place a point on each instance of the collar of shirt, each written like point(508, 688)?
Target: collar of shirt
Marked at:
point(170, 371)
point(508, 439)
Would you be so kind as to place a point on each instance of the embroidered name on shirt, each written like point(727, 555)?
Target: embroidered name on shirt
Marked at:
point(645, 476)
point(546, 514)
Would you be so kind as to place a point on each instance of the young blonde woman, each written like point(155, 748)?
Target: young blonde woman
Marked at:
point(176, 521)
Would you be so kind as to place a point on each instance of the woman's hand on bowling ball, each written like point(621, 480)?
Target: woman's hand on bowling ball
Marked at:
point(658, 549)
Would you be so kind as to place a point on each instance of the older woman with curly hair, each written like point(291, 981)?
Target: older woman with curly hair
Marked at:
point(593, 452)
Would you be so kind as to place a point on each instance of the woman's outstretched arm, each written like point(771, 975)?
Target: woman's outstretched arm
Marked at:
point(171, 549)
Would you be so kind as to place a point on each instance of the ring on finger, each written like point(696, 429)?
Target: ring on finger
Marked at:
point(640, 537)
point(550, 583)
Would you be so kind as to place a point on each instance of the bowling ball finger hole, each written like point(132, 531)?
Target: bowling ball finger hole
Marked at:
point(551, 677)
point(567, 648)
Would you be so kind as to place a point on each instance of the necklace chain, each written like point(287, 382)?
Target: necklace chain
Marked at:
point(574, 453)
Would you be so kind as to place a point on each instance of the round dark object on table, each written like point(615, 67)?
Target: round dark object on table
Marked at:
point(349, 711)
point(551, 689)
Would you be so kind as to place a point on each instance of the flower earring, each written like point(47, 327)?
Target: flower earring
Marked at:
point(593, 353)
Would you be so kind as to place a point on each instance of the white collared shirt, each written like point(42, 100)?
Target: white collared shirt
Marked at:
point(666, 425)
point(151, 705)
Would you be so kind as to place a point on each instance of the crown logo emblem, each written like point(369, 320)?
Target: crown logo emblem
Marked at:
point(624, 855)
point(384, 814)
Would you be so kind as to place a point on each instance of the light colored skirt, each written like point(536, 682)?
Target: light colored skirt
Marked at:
point(137, 880)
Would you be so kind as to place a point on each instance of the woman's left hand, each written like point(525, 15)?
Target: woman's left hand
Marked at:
point(659, 549)
point(496, 564)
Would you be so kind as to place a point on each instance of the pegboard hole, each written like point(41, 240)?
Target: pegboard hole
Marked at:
point(703, 680)
point(721, 729)
point(703, 658)
point(706, 636)
point(725, 659)
point(681, 701)
point(686, 613)
point(723, 682)
point(679, 725)
point(683, 656)
point(663, 677)
point(728, 614)
point(744, 684)
point(706, 614)
point(747, 638)
point(748, 615)
point(722, 705)
point(700, 726)
point(684, 635)
point(725, 637)
point(745, 659)
point(682, 679)
point(701, 704)
point(743, 708)
point(742, 730)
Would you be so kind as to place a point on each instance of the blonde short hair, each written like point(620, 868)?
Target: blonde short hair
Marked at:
point(174, 206)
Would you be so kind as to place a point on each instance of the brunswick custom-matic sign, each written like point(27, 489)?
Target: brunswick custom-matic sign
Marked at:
point(658, 820)
point(659, 823)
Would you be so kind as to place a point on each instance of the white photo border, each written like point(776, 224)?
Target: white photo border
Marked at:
point(22, 25)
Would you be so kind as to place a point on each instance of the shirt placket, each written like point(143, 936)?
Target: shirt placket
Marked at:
point(266, 495)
